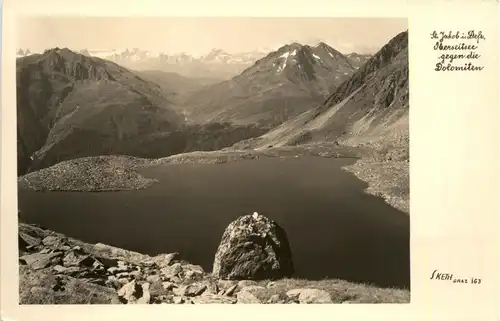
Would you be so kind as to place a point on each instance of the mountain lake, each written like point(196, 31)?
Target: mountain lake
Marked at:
point(335, 229)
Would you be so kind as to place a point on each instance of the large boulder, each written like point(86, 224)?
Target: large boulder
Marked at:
point(253, 248)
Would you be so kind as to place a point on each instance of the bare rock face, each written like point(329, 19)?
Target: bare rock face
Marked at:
point(253, 247)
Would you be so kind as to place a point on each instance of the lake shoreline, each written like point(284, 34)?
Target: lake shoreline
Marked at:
point(358, 292)
point(384, 177)
point(114, 173)
point(298, 191)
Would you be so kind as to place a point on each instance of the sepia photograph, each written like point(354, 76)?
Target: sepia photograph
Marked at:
point(213, 160)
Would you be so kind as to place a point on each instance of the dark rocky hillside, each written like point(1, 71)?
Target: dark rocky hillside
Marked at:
point(70, 105)
point(65, 98)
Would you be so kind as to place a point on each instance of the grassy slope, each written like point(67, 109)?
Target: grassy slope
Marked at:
point(39, 287)
point(340, 291)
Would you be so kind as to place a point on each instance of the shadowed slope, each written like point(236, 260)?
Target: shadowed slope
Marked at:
point(62, 94)
point(71, 105)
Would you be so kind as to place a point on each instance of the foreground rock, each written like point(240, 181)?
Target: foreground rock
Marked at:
point(132, 293)
point(55, 269)
point(255, 248)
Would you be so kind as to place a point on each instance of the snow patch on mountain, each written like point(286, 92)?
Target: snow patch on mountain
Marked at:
point(281, 67)
point(285, 55)
point(285, 59)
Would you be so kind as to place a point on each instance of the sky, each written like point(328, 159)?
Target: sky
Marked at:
point(198, 36)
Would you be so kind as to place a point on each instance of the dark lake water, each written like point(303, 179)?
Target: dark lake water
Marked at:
point(335, 230)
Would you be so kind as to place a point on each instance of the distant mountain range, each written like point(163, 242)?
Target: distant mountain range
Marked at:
point(72, 104)
point(215, 64)
point(358, 60)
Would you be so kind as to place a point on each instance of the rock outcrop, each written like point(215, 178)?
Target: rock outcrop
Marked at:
point(55, 269)
point(120, 276)
point(254, 248)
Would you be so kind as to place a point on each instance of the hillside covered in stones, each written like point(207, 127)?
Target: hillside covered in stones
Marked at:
point(55, 269)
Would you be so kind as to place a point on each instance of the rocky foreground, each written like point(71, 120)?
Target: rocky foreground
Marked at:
point(252, 265)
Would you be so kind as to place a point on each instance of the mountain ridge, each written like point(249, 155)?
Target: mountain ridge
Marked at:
point(71, 105)
point(368, 112)
point(280, 85)
point(218, 62)
point(385, 67)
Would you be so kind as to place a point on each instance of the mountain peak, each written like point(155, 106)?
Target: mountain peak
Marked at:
point(329, 50)
point(60, 53)
point(23, 52)
point(318, 68)
point(296, 45)
point(322, 44)
point(73, 64)
point(59, 50)
point(290, 46)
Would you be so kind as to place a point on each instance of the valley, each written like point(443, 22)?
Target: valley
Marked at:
point(313, 139)
point(73, 106)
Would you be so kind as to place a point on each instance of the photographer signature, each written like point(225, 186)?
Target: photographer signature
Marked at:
point(441, 276)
